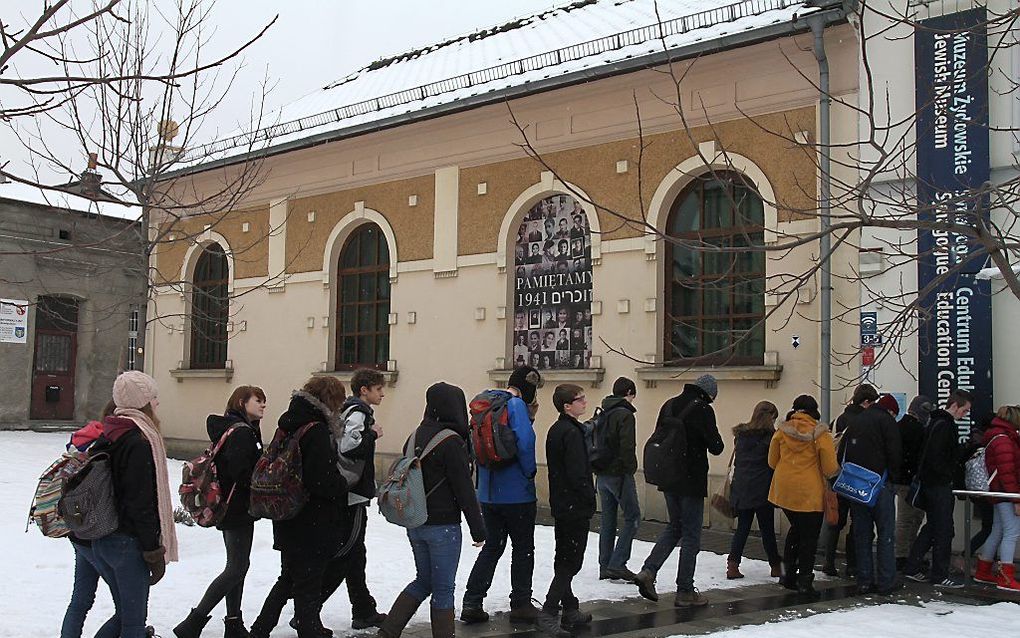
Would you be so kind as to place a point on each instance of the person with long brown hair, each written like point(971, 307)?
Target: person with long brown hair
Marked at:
point(238, 428)
point(310, 539)
point(135, 556)
point(749, 491)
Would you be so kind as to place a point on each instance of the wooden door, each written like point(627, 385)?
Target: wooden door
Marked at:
point(55, 353)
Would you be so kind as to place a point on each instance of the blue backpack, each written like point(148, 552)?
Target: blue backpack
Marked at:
point(402, 496)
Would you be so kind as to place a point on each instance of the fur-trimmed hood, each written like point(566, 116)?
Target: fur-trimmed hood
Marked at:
point(305, 408)
point(746, 428)
point(803, 427)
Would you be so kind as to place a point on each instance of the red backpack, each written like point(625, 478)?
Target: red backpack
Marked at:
point(493, 442)
point(200, 490)
point(277, 489)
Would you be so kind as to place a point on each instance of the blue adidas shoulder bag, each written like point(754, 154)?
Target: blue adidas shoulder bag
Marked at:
point(857, 483)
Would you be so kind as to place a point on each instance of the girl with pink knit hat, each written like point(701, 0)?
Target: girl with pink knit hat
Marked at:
point(135, 556)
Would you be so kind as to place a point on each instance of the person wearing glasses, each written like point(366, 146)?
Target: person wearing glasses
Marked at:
point(572, 503)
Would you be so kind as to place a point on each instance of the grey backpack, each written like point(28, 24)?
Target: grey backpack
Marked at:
point(402, 496)
point(87, 503)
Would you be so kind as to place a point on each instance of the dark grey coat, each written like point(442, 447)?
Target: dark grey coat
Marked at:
point(751, 472)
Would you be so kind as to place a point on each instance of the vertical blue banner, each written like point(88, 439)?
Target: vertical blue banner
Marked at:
point(955, 336)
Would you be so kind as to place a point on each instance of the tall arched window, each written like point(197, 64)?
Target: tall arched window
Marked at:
point(210, 306)
point(715, 291)
point(552, 286)
point(363, 300)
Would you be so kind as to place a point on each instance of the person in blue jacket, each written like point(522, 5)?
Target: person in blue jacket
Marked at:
point(507, 497)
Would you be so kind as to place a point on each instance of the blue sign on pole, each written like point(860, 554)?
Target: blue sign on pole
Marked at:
point(955, 330)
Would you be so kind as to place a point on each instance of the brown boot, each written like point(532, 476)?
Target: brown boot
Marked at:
point(400, 614)
point(733, 570)
point(442, 623)
point(777, 568)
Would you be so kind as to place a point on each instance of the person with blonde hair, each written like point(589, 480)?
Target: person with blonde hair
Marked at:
point(1002, 459)
point(238, 428)
point(749, 492)
point(135, 556)
point(803, 455)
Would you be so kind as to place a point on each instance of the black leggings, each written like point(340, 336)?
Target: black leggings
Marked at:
point(802, 541)
point(229, 584)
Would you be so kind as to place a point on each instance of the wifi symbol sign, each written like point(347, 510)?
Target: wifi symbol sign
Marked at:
point(869, 323)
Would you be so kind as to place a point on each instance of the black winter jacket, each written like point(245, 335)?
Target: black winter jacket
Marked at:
point(358, 446)
point(752, 475)
point(702, 438)
point(234, 464)
point(446, 471)
point(621, 435)
point(316, 530)
point(943, 453)
point(843, 420)
point(872, 440)
point(912, 437)
point(571, 490)
point(134, 479)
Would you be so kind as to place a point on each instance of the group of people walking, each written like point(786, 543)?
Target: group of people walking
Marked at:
point(789, 466)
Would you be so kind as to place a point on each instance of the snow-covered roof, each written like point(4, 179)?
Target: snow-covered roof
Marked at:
point(580, 37)
point(68, 201)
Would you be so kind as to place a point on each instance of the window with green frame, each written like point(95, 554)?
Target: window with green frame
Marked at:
point(715, 284)
point(363, 301)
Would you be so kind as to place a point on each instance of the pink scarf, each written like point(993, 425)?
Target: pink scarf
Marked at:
point(168, 532)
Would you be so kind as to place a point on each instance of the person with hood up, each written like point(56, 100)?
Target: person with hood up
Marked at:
point(86, 571)
point(803, 455)
point(134, 557)
point(310, 539)
point(749, 491)
point(864, 395)
point(685, 501)
point(1002, 459)
point(234, 464)
point(446, 474)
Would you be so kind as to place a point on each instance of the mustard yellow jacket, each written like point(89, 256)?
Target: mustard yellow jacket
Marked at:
point(803, 455)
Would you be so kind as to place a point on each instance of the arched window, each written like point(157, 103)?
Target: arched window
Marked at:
point(363, 300)
point(210, 307)
point(715, 291)
point(552, 286)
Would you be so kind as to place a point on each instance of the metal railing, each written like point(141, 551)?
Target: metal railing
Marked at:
point(968, 507)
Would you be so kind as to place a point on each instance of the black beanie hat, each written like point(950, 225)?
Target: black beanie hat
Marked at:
point(526, 379)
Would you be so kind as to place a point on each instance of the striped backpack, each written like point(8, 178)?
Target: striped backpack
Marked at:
point(48, 491)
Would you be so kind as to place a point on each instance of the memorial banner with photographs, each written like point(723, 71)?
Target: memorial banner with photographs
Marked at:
point(552, 287)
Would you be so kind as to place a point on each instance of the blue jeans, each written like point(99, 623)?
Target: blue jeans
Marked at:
point(766, 515)
point(436, 550)
point(119, 557)
point(516, 522)
point(685, 516)
point(1005, 531)
point(86, 581)
point(617, 492)
point(881, 517)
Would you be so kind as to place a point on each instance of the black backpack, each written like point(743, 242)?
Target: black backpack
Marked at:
point(665, 450)
point(596, 439)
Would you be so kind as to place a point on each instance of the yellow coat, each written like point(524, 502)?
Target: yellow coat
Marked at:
point(801, 451)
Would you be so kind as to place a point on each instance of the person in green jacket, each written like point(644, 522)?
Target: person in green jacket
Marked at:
point(615, 484)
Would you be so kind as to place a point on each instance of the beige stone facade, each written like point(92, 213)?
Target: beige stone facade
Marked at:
point(449, 194)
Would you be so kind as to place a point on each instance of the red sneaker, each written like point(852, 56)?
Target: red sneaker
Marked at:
point(985, 573)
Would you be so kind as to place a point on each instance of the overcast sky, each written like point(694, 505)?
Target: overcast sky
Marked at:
point(312, 43)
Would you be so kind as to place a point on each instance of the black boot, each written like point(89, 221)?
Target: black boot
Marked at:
point(789, 577)
point(191, 627)
point(233, 627)
point(442, 623)
point(805, 587)
point(400, 614)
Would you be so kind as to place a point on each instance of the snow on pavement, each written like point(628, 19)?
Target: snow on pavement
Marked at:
point(890, 621)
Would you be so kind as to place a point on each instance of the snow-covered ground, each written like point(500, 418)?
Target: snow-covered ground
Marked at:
point(38, 573)
point(892, 621)
point(39, 570)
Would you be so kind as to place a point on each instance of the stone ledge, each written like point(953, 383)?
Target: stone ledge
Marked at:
point(652, 375)
point(345, 375)
point(591, 376)
point(202, 373)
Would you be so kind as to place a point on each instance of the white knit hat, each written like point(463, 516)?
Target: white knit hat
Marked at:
point(134, 389)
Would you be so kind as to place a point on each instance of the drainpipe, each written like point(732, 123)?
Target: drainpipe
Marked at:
point(817, 24)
